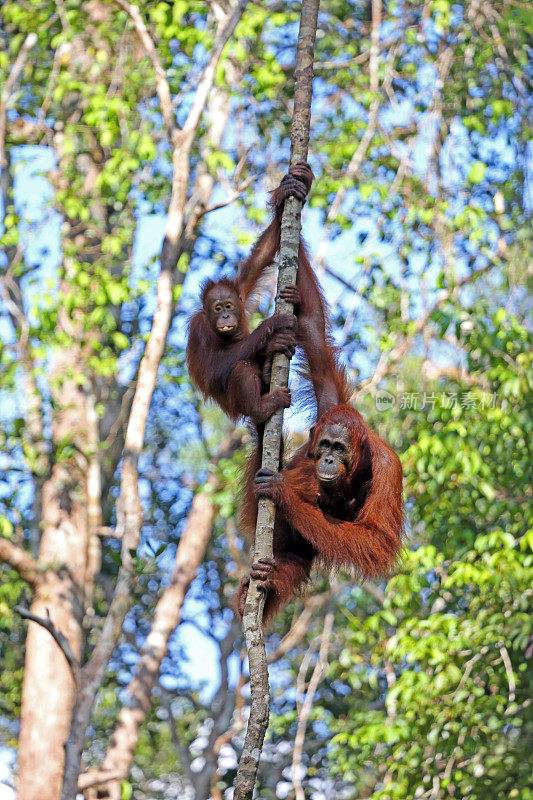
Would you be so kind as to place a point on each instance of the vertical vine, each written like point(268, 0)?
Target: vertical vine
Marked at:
point(288, 268)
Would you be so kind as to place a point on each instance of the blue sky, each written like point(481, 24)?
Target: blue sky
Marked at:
point(40, 227)
point(41, 230)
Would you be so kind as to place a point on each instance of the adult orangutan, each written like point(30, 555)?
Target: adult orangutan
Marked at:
point(226, 362)
point(338, 500)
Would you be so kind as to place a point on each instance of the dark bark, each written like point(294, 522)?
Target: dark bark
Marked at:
point(290, 240)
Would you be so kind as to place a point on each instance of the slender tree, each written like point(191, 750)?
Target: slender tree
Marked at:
point(288, 268)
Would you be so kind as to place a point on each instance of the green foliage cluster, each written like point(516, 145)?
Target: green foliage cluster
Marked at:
point(11, 650)
point(440, 677)
point(427, 696)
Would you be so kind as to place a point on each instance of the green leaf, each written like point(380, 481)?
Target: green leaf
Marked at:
point(477, 172)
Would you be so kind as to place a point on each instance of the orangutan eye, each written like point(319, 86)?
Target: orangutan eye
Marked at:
point(229, 306)
point(324, 444)
point(339, 447)
point(218, 307)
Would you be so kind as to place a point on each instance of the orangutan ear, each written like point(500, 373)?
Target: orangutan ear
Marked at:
point(310, 452)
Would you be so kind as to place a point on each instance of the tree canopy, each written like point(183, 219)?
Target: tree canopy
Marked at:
point(137, 146)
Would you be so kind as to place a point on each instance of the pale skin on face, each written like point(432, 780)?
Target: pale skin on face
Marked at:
point(223, 310)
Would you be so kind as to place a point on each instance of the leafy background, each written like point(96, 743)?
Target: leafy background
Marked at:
point(419, 224)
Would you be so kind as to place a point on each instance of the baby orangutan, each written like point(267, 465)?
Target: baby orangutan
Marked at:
point(225, 361)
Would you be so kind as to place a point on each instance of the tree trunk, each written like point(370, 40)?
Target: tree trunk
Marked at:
point(49, 690)
point(189, 556)
point(193, 542)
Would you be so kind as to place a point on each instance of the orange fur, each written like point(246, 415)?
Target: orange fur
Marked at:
point(360, 526)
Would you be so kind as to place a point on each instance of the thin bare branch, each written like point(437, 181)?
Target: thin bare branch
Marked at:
point(230, 199)
point(59, 638)
point(21, 561)
point(161, 83)
point(9, 85)
point(390, 702)
point(300, 626)
point(509, 671)
point(356, 160)
point(390, 358)
point(316, 677)
point(301, 678)
point(287, 273)
point(96, 778)
point(189, 555)
point(374, 591)
point(466, 674)
point(432, 371)
point(339, 278)
point(228, 25)
point(359, 59)
point(181, 749)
